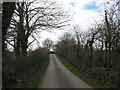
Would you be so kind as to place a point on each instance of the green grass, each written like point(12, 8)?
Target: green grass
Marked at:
point(37, 77)
point(83, 76)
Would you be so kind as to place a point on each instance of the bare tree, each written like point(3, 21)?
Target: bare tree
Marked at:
point(80, 38)
point(67, 47)
point(8, 9)
point(48, 43)
point(112, 31)
point(30, 18)
point(77, 32)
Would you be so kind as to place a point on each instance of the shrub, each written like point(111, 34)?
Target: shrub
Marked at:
point(18, 72)
point(103, 74)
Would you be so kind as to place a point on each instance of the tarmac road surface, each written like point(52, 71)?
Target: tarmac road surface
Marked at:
point(58, 76)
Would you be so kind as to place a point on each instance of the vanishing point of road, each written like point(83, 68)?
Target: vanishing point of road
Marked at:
point(58, 76)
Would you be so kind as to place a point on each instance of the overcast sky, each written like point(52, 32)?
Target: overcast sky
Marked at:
point(86, 13)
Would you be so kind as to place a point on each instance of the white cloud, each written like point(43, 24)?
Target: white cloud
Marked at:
point(82, 17)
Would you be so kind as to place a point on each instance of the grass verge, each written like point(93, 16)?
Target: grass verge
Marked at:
point(83, 76)
point(37, 77)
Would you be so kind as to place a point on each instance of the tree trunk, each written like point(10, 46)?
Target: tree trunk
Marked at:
point(8, 9)
point(24, 42)
point(78, 49)
point(109, 40)
point(17, 46)
point(91, 55)
point(106, 51)
point(101, 62)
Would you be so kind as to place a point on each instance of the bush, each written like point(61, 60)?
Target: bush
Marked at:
point(18, 72)
point(105, 75)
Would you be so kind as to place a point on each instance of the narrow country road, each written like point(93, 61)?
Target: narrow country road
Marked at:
point(58, 76)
